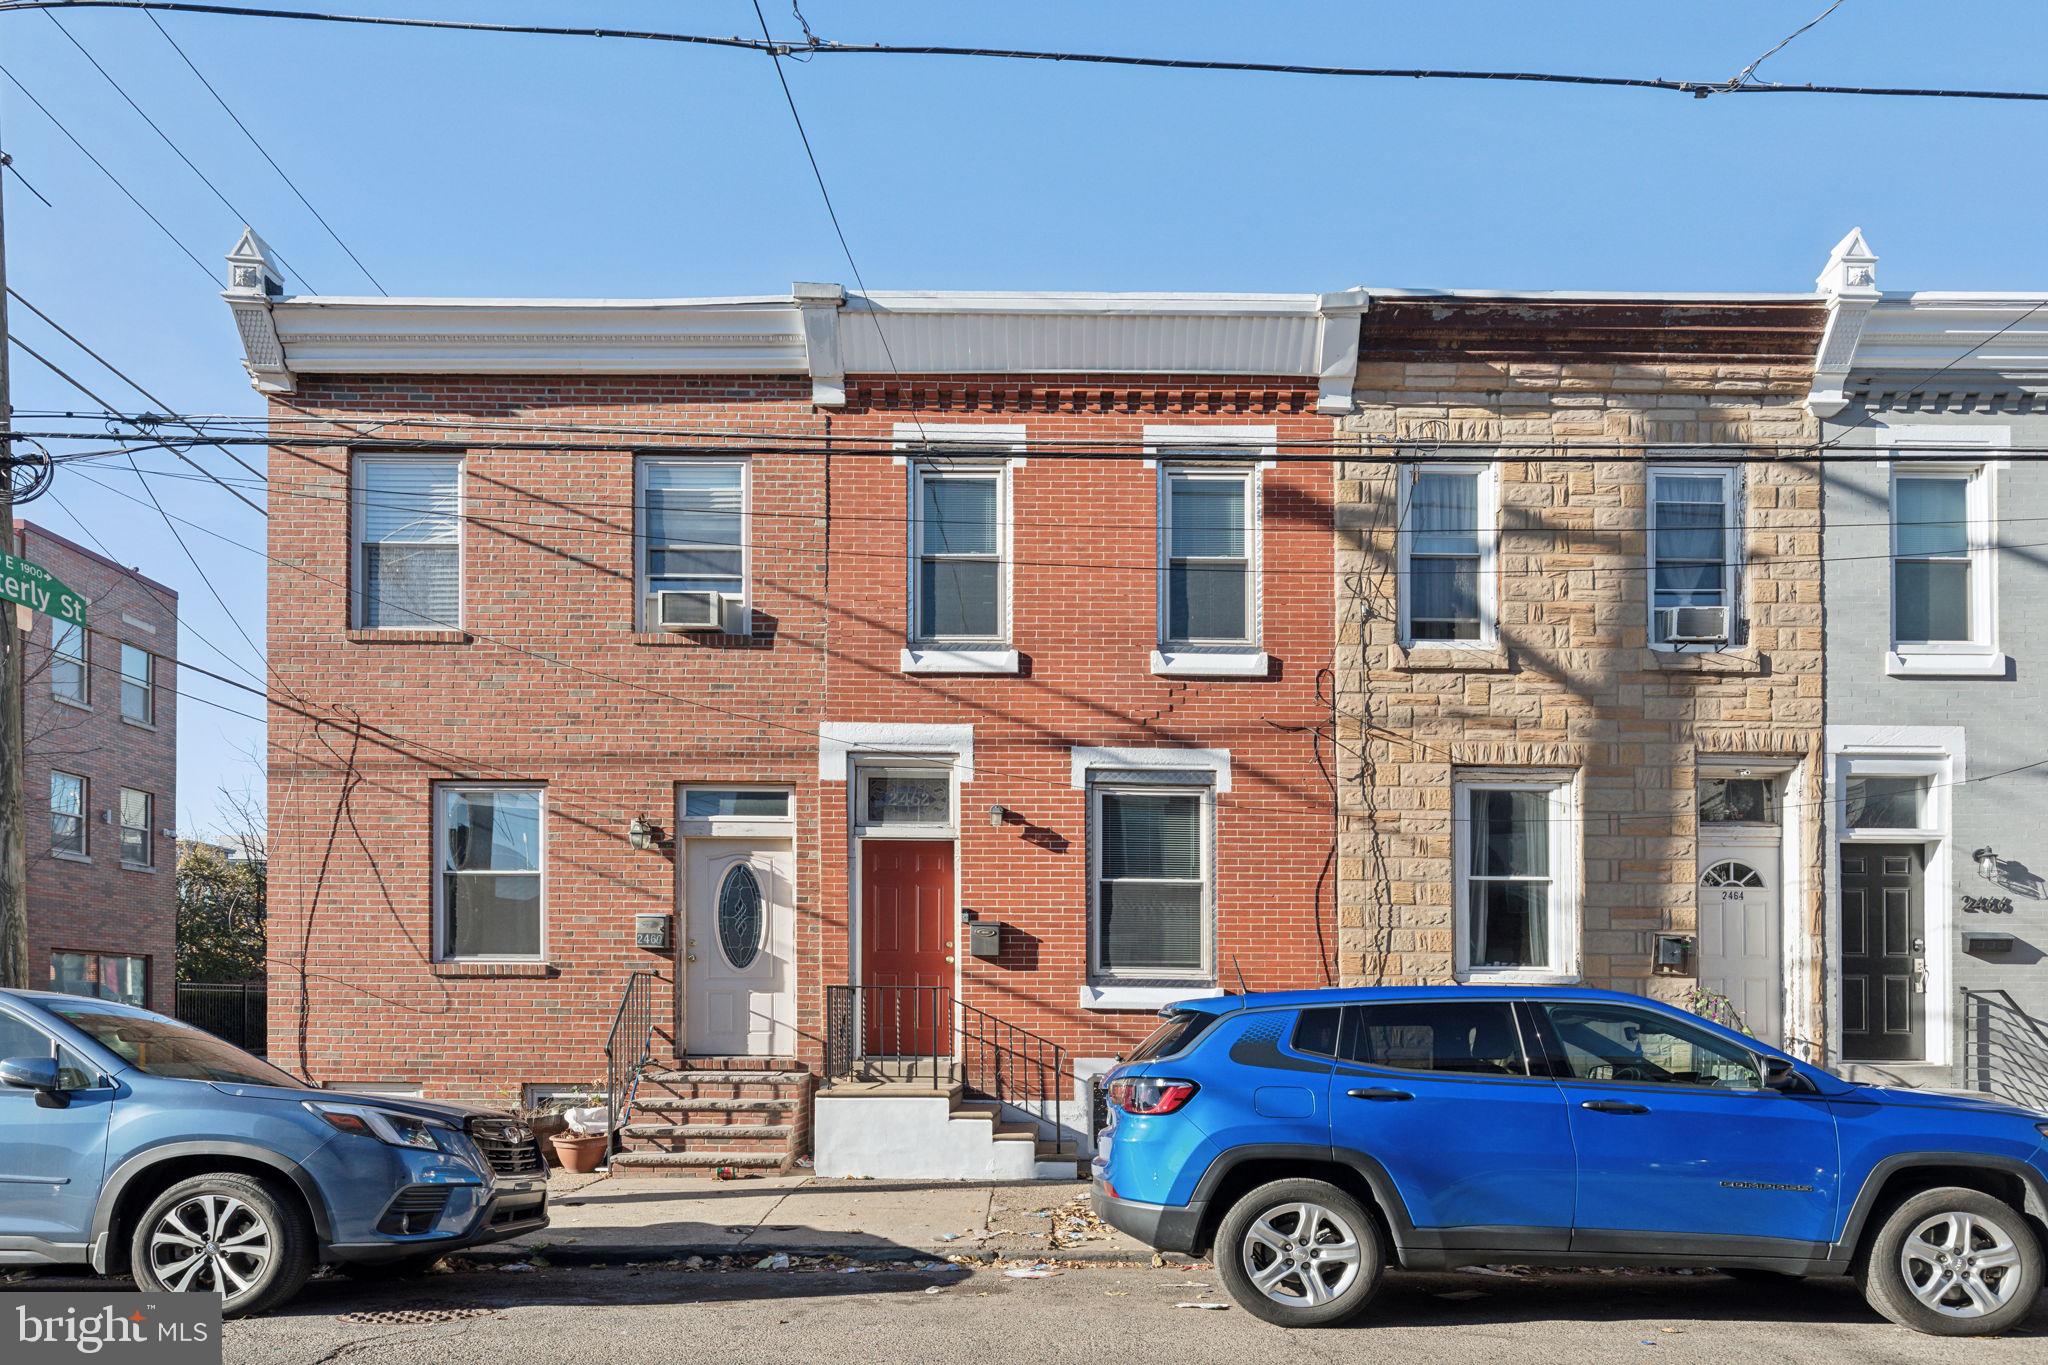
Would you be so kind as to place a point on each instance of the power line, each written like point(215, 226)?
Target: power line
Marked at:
point(83, 149)
point(7, 164)
point(1697, 89)
point(265, 152)
point(1743, 76)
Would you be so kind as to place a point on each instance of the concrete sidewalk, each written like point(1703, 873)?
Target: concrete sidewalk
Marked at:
point(622, 1220)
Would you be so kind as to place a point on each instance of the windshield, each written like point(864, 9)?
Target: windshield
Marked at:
point(164, 1048)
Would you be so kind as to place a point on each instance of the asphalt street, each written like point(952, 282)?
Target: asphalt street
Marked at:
point(626, 1315)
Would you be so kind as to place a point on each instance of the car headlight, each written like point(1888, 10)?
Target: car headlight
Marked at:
point(386, 1125)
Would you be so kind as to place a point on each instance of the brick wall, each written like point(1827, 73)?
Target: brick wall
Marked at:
point(97, 904)
point(1573, 685)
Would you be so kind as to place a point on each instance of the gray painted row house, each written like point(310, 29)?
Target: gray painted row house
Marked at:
point(1935, 556)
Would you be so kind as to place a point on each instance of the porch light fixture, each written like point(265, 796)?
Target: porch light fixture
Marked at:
point(998, 816)
point(1987, 863)
point(639, 834)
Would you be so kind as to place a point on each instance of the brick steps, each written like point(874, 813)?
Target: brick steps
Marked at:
point(701, 1164)
point(698, 1114)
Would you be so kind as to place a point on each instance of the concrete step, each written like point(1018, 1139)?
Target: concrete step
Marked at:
point(888, 1090)
point(1016, 1132)
point(766, 1105)
point(721, 1063)
point(982, 1110)
point(726, 1076)
point(701, 1164)
point(683, 1132)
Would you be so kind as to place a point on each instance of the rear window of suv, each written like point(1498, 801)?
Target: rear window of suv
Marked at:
point(1174, 1033)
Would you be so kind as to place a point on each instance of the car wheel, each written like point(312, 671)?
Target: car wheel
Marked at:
point(1953, 1263)
point(227, 1234)
point(1300, 1253)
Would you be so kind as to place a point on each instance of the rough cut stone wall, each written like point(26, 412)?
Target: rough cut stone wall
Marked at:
point(1573, 684)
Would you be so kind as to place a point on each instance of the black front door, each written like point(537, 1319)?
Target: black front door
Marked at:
point(1884, 953)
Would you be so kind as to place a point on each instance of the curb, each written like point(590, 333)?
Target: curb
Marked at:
point(584, 1255)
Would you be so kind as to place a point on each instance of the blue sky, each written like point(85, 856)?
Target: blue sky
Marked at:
point(499, 165)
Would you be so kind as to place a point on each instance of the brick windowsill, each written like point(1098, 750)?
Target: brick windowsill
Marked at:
point(699, 639)
point(496, 969)
point(408, 637)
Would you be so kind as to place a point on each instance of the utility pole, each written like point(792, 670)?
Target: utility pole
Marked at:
point(13, 833)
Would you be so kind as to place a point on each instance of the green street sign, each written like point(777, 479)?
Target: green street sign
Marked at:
point(35, 587)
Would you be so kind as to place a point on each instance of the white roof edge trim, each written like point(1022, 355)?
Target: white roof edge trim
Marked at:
point(1594, 295)
point(551, 305)
point(1087, 304)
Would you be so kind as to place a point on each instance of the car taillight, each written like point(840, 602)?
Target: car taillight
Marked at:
point(1149, 1096)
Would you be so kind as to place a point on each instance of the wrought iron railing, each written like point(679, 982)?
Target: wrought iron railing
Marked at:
point(238, 1011)
point(628, 1049)
point(911, 1032)
point(2005, 1049)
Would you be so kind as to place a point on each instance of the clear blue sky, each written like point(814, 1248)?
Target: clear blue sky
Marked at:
point(460, 164)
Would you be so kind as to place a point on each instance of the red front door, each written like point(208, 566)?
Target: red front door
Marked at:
point(907, 924)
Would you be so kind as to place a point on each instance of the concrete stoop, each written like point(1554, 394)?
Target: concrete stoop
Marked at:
point(749, 1114)
point(880, 1129)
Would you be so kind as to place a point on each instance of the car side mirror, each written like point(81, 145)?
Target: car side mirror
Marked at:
point(1781, 1075)
point(39, 1074)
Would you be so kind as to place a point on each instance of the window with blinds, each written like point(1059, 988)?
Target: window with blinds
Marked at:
point(1208, 544)
point(693, 526)
point(408, 523)
point(1152, 888)
point(1447, 545)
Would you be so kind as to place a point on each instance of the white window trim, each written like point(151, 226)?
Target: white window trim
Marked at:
point(939, 468)
point(1979, 655)
point(1567, 918)
point(1244, 452)
point(903, 767)
point(734, 826)
point(739, 615)
point(83, 853)
point(358, 577)
point(1732, 545)
point(437, 867)
point(147, 827)
point(1934, 812)
point(1489, 552)
point(83, 658)
point(999, 448)
point(1121, 983)
point(147, 682)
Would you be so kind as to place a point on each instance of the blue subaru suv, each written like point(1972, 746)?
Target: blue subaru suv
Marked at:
point(1315, 1139)
point(133, 1143)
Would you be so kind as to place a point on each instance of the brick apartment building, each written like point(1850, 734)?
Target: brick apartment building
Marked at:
point(100, 724)
point(822, 651)
point(1581, 697)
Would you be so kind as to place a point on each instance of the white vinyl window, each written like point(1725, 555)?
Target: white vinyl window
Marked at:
point(67, 814)
point(960, 549)
point(138, 846)
point(489, 851)
point(138, 684)
point(1941, 552)
point(69, 676)
point(1209, 544)
point(693, 530)
point(1516, 850)
point(1448, 539)
point(1693, 541)
point(408, 535)
point(1152, 887)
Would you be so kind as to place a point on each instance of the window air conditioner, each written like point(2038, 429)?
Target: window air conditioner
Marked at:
point(1693, 625)
point(678, 611)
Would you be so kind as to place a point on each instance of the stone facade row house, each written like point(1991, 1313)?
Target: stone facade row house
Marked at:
point(886, 703)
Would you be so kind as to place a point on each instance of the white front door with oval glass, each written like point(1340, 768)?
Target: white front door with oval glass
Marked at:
point(1740, 934)
point(739, 948)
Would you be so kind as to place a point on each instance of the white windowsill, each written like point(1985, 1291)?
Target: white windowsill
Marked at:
point(930, 660)
point(1187, 663)
point(1142, 997)
point(1938, 665)
point(1469, 977)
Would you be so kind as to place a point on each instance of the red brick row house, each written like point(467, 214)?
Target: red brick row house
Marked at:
point(910, 692)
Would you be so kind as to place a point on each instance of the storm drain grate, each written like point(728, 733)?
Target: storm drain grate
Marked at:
point(414, 1317)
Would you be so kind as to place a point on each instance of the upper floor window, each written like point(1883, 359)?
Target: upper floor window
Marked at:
point(488, 863)
point(1516, 892)
point(1208, 592)
point(138, 846)
point(1153, 887)
point(69, 679)
point(408, 533)
point(1692, 556)
point(1447, 546)
point(67, 814)
point(958, 545)
point(693, 539)
point(138, 684)
point(1941, 574)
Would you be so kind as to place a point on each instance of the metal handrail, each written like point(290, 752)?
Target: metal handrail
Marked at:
point(1013, 1065)
point(628, 1048)
point(2005, 1049)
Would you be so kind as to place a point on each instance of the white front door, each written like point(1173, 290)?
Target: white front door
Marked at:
point(739, 948)
point(1740, 949)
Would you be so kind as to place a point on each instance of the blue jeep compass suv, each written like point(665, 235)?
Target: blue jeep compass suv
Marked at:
point(131, 1142)
point(1313, 1139)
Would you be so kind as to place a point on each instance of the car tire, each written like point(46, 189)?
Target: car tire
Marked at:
point(404, 1268)
point(1300, 1253)
point(1953, 1262)
point(232, 1234)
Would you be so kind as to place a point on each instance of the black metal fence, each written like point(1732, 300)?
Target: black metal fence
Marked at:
point(238, 1011)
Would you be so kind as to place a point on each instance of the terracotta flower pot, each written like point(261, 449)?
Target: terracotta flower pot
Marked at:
point(580, 1152)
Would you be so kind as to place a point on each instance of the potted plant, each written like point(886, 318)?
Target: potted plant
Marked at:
point(581, 1144)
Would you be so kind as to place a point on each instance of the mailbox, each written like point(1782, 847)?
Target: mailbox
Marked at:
point(1674, 954)
point(985, 939)
point(651, 931)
